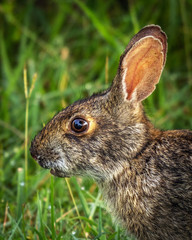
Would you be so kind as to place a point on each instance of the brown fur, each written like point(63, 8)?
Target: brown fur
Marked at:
point(145, 174)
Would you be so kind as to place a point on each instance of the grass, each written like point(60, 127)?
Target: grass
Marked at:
point(74, 47)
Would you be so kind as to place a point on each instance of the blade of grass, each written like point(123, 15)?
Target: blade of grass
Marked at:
point(1, 163)
point(81, 197)
point(95, 205)
point(187, 42)
point(52, 209)
point(45, 214)
point(107, 70)
point(40, 222)
point(36, 181)
point(30, 34)
point(133, 15)
point(103, 237)
point(77, 211)
point(38, 233)
point(91, 222)
point(28, 93)
point(117, 236)
point(15, 228)
point(5, 217)
point(12, 129)
point(26, 122)
point(99, 25)
point(20, 192)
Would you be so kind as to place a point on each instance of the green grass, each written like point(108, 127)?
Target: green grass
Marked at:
point(70, 45)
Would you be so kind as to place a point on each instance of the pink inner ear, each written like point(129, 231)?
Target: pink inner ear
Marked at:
point(142, 67)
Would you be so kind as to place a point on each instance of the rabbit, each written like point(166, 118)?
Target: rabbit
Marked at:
point(145, 174)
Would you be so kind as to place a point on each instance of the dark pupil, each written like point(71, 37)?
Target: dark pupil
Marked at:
point(79, 125)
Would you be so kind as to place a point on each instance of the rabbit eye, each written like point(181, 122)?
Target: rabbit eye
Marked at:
point(79, 125)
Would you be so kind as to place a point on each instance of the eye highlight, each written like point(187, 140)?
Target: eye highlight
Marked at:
point(79, 125)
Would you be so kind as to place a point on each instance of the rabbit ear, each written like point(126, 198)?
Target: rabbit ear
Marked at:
point(142, 63)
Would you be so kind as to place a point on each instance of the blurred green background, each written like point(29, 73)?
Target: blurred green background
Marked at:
point(74, 47)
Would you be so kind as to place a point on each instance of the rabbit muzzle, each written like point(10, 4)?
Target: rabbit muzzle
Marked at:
point(49, 157)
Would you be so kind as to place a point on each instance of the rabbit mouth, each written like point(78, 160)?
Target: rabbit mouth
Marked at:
point(58, 173)
point(55, 168)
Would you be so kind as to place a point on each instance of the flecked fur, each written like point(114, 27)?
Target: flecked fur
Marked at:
point(145, 174)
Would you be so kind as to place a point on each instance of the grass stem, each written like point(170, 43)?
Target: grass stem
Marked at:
point(26, 122)
point(27, 97)
point(73, 199)
point(52, 208)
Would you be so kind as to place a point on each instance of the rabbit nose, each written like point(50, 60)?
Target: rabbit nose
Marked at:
point(33, 151)
point(33, 154)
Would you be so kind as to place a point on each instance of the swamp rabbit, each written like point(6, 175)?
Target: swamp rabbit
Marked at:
point(145, 174)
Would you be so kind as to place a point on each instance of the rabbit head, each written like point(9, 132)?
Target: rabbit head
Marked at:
point(95, 136)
